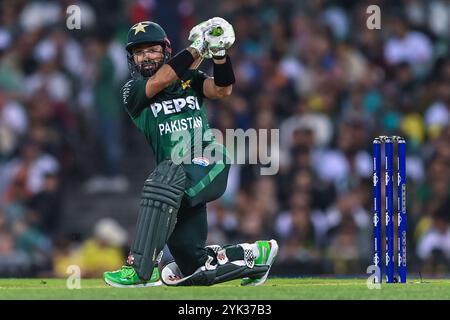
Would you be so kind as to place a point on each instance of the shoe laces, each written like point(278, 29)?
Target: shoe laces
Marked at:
point(249, 258)
point(127, 272)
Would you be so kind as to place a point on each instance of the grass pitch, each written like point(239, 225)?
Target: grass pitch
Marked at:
point(273, 289)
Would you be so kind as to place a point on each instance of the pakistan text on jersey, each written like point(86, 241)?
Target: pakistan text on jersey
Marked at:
point(180, 125)
point(175, 105)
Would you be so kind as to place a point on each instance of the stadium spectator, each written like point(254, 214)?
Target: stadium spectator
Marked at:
point(103, 250)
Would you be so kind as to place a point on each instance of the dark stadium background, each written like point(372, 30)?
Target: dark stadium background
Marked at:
point(72, 164)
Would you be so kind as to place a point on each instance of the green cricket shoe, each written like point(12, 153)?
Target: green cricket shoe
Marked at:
point(268, 251)
point(126, 277)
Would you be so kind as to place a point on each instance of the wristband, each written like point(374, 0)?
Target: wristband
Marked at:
point(181, 62)
point(223, 73)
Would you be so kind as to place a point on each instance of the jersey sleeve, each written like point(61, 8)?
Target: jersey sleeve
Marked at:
point(134, 98)
point(198, 78)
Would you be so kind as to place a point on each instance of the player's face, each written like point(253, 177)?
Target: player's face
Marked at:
point(148, 57)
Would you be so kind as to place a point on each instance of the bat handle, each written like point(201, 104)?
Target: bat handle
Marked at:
point(197, 63)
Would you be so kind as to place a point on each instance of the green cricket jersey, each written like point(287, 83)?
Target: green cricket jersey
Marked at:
point(178, 109)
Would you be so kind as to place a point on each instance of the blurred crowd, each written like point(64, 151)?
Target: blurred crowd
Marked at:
point(312, 69)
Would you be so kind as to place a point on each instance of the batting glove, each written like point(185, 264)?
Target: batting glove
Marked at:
point(199, 30)
point(219, 36)
point(201, 46)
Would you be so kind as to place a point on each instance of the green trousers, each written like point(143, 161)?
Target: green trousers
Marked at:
point(187, 242)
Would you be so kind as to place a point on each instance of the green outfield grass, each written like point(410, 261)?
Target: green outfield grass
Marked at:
point(275, 288)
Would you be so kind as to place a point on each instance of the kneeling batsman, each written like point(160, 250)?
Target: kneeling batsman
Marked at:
point(161, 200)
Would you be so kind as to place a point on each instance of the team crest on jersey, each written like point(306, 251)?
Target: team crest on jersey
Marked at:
point(185, 84)
point(201, 161)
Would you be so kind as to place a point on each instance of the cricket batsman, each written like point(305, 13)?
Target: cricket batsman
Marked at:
point(165, 100)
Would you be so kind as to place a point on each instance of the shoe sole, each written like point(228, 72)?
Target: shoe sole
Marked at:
point(141, 285)
point(270, 261)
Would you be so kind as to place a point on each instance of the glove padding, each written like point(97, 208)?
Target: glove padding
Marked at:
point(199, 30)
point(218, 36)
point(201, 46)
point(196, 35)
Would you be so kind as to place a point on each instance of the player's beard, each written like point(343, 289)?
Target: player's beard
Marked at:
point(149, 67)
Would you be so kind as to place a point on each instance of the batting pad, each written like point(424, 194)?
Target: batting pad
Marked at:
point(160, 202)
